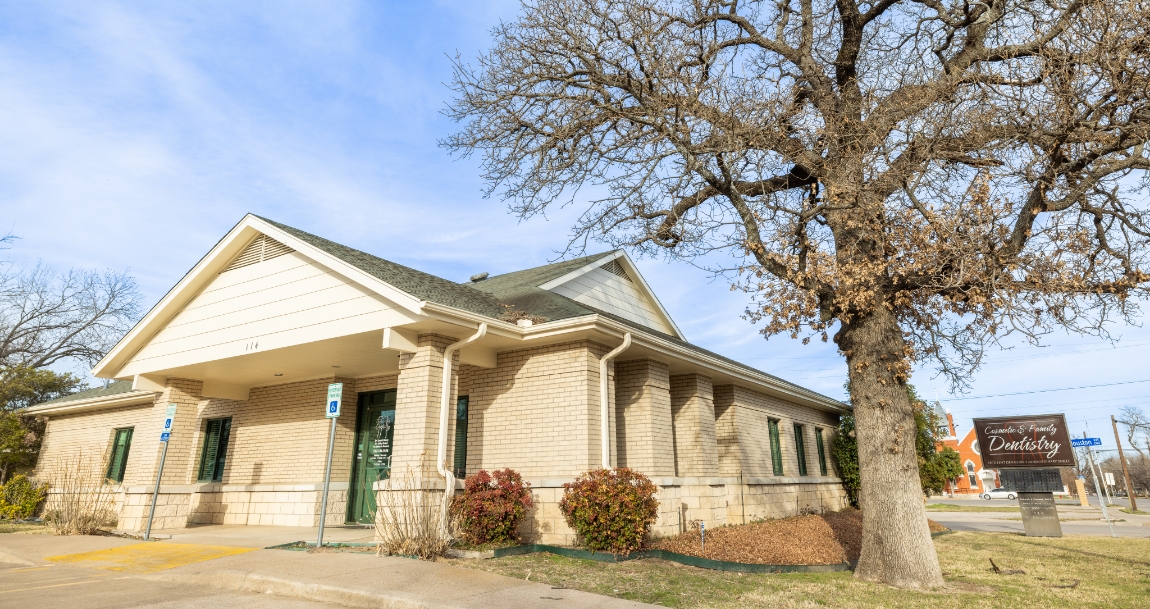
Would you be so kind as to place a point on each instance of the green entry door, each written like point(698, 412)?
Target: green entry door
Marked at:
point(374, 432)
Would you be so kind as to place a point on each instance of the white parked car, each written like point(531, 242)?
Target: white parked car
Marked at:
point(998, 493)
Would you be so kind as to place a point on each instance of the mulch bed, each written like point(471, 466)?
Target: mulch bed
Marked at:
point(823, 539)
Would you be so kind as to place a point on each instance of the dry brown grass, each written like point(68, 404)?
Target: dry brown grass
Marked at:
point(1110, 573)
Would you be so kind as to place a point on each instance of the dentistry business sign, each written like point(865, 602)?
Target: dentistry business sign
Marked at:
point(1024, 441)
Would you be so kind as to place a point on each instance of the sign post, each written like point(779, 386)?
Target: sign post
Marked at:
point(331, 411)
point(1025, 450)
point(165, 435)
point(1101, 493)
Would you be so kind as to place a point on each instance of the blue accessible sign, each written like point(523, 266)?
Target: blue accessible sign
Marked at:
point(1080, 442)
point(169, 420)
point(334, 398)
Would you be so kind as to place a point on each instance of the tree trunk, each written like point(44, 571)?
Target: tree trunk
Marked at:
point(896, 545)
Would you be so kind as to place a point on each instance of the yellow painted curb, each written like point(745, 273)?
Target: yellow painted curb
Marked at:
point(147, 557)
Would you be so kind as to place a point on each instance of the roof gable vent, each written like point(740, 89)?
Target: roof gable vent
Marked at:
point(263, 248)
point(616, 268)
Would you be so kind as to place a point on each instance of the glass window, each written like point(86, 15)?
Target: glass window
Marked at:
point(460, 457)
point(800, 450)
point(215, 450)
point(776, 450)
point(822, 453)
point(121, 445)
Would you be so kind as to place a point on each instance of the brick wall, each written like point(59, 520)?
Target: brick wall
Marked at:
point(536, 412)
point(743, 436)
point(644, 435)
point(693, 412)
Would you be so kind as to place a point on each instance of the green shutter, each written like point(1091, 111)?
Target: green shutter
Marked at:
point(460, 457)
point(822, 453)
point(121, 445)
point(215, 450)
point(776, 451)
point(800, 450)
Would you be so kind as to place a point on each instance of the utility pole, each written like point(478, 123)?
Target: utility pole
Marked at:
point(1125, 471)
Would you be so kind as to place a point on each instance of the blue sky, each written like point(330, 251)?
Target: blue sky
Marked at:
point(135, 135)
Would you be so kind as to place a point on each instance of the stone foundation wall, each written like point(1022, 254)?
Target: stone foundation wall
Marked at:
point(279, 505)
point(715, 501)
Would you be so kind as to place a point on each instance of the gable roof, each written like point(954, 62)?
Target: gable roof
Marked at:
point(423, 286)
point(113, 388)
point(489, 298)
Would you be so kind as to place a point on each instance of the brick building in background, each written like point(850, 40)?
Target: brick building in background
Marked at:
point(975, 480)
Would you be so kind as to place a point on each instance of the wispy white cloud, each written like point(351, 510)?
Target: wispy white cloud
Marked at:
point(134, 135)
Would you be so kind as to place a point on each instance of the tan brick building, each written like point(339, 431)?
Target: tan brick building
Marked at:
point(244, 348)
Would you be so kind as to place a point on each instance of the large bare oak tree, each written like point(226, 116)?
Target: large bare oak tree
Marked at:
point(918, 177)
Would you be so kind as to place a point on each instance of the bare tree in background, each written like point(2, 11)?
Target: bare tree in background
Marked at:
point(918, 177)
point(48, 316)
point(1136, 422)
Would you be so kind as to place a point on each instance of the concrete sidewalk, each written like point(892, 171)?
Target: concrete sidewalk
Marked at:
point(346, 579)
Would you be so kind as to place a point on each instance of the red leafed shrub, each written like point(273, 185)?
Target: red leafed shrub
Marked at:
point(611, 510)
point(491, 506)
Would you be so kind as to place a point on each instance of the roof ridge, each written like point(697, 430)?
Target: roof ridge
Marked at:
point(419, 284)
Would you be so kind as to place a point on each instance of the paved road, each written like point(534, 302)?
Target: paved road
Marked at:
point(1076, 519)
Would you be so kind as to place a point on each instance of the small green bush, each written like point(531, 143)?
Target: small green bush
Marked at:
point(20, 498)
point(491, 507)
point(611, 510)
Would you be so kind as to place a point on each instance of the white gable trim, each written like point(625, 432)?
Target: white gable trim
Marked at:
point(635, 275)
point(214, 262)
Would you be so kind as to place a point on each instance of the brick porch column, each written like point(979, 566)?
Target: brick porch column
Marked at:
point(417, 405)
point(693, 413)
point(645, 440)
point(180, 463)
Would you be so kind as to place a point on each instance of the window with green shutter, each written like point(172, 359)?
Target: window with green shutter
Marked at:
point(800, 450)
point(776, 450)
point(822, 453)
point(215, 450)
point(460, 457)
point(121, 444)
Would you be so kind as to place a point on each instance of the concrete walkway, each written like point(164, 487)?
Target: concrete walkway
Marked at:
point(345, 579)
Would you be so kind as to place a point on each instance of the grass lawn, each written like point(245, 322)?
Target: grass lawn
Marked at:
point(950, 507)
point(7, 526)
point(1110, 572)
point(1130, 511)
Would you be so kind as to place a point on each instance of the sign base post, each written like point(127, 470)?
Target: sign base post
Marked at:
point(331, 410)
point(1039, 515)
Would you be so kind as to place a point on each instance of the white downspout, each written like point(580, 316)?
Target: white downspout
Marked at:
point(605, 399)
point(444, 400)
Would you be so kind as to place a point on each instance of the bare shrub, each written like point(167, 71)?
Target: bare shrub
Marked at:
point(81, 502)
point(409, 519)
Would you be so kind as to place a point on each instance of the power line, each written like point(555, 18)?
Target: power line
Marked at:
point(1000, 395)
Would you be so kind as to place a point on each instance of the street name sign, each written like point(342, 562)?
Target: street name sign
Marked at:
point(1081, 442)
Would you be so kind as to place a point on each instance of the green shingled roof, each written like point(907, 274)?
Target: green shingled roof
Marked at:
point(113, 388)
point(491, 296)
point(520, 289)
point(424, 286)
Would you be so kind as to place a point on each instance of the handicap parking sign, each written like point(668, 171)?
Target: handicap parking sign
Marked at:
point(334, 397)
